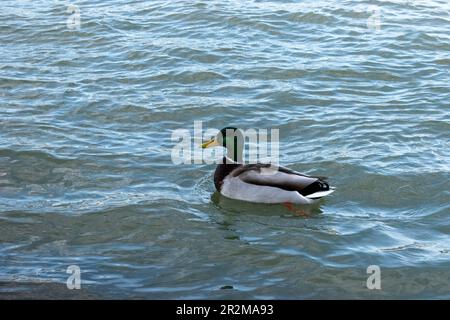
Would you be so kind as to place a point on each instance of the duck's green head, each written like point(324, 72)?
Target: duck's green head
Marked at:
point(230, 138)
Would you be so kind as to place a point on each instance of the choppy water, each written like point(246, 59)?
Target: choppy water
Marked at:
point(359, 94)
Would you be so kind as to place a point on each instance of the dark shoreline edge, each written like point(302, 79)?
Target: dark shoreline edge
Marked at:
point(31, 290)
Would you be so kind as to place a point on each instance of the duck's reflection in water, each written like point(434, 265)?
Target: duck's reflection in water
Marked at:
point(281, 209)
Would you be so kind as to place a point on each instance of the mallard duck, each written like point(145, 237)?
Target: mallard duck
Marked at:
point(261, 183)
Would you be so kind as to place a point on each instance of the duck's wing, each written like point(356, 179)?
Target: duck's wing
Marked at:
point(290, 171)
point(280, 177)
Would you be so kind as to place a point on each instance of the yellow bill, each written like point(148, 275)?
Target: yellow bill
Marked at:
point(210, 143)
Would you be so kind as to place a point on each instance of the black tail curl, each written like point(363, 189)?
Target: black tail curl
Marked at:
point(316, 186)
